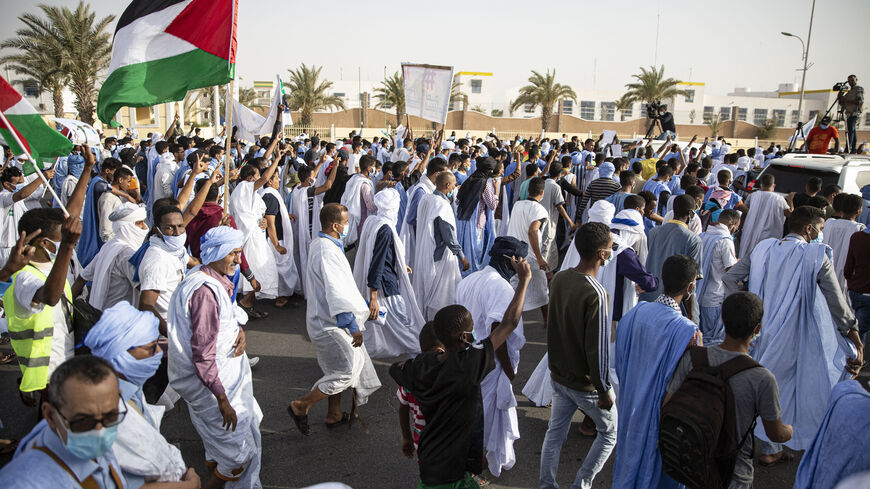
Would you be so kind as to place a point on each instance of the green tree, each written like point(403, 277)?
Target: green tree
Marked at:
point(308, 93)
point(767, 129)
point(38, 58)
point(651, 85)
point(457, 95)
point(714, 124)
point(543, 91)
point(391, 93)
point(622, 105)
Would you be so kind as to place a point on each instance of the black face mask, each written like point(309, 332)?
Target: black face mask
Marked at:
point(503, 266)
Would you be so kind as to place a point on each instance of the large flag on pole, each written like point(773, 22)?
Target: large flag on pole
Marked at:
point(164, 48)
point(37, 138)
point(427, 91)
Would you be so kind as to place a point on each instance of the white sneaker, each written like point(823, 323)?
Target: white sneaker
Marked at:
point(253, 361)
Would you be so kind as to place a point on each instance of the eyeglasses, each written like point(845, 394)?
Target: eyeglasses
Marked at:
point(80, 425)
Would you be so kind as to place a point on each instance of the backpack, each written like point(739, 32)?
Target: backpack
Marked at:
point(698, 437)
point(709, 213)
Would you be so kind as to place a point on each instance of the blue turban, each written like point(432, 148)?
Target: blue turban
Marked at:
point(75, 164)
point(606, 170)
point(218, 242)
point(120, 328)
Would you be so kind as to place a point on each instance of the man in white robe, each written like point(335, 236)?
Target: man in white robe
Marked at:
point(248, 209)
point(335, 314)
point(486, 294)
point(208, 365)
point(436, 268)
point(766, 215)
point(425, 186)
point(810, 337)
point(288, 278)
point(358, 198)
point(164, 175)
point(381, 273)
point(839, 231)
point(302, 205)
point(526, 224)
point(110, 272)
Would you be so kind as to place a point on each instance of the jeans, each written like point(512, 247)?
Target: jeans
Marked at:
point(565, 403)
point(770, 448)
point(861, 306)
point(851, 128)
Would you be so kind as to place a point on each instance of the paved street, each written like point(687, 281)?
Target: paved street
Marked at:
point(288, 368)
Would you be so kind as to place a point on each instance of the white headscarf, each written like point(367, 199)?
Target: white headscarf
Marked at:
point(124, 219)
point(602, 211)
point(388, 202)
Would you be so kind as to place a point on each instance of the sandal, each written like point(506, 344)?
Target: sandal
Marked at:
point(5, 339)
point(345, 418)
point(281, 302)
point(784, 458)
point(6, 358)
point(8, 446)
point(254, 314)
point(481, 480)
point(301, 421)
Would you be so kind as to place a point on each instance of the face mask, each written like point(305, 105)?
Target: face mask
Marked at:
point(137, 371)
point(823, 126)
point(91, 444)
point(138, 233)
point(344, 231)
point(175, 242)
point(450, 194)
point(19, 186)
point(608, 260)
point(473, 338)
point(53, 254)
point(818, 238)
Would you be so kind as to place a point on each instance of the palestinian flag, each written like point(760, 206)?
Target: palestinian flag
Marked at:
point(163, 48)
point(39, 140)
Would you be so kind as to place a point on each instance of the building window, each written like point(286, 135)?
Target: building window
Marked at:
point(690, 96)
point(779, 117)
point(625, 114)
point(814, 113)
point(708, 114)
point(759, 116)
point(567, 107)
point(145, 116)
point(724, 113)
point(867, 119)
point(643, 110)
point(587, 110)
point(529, 108)
point(795, 117)
point(476, 86)
point(742, 113)
point(608, 110)
point(339, 94)
point(31, 90)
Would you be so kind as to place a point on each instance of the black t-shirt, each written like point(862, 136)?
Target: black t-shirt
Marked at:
point(447, 387)
point(667, 120)
point(273, 208)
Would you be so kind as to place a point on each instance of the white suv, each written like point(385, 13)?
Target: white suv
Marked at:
point(791, 172)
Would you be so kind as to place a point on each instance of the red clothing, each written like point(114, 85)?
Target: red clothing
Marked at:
point(857, 267)
point(205, 323)
point(818, 139)
point(407, 399)
point(209, 216)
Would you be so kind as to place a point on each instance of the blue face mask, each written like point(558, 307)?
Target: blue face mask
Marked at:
point(450, 194)
point(344, 231)
point(91, 444)
point(19, 187)
point(473, 337)
point(819, 238)
point(53, 254)
point(175, 242)
point(137, 371)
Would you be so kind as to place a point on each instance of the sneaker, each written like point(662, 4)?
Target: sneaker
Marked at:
point(253, 361)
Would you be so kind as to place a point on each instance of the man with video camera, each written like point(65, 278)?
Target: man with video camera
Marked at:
point(659, 112)
point(851, 102)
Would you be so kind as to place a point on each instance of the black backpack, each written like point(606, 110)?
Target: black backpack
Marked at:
point(698, 437)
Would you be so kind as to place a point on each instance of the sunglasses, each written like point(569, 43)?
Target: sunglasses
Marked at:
point(87, 423)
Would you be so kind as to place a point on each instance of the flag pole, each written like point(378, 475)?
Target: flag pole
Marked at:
point(35, 164)
point(228, 134)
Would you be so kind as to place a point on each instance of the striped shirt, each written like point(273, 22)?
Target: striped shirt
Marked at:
point(407, 399)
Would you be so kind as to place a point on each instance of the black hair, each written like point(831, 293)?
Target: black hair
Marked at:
point(767, 180)
point(695, 191)
point(397, 168)
point(111, 164)
point(648, 196)
point(742, 313)
point(814, 184)
point(732, 216)
point(304, 172)
point(436, 166)
point(331, 214)
point(536, 186)
point(678, 272)
point(626, 178)
point(450, 322)
point(164, 210)
point(9, 172)
point(684, 206)
point(590, 238)
point(818, 202)
point(45, 218)
point(637, 167)
point(555, 169)
point(687, 181)
point(175, 147)
point(247, 171)
point(633, 202)
point(213, 191)
point(166, 201)
point(215, 150)
point(428, 340)
point(850, 204)
point(803, 216)
point(723, 176)
point(831, 189)
point(161, 146)
point(89, 368)
point(531, 170)
point(122, 172)
point(366, 162)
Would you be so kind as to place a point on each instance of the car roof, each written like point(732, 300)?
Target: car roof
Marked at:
point(832, 163)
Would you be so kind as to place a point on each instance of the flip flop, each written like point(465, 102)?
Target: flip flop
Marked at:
point(7, 358)
point(786, 457)
point(255, 314)
point(301, 421)
point(345, 418)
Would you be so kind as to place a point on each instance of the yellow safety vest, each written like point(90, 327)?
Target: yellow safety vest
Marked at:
point(31, 337)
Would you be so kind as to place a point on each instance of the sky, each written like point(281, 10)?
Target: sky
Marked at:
point(591, 44)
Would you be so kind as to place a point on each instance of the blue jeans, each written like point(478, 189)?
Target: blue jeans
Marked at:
point(861, 306)
point(565, 403)
point(852, 127)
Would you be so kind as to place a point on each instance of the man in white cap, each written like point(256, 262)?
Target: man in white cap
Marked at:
point(446, 148)
point(381, 274)
point(208, 366)
point(334, 314)
point(110, 271)
point(127, 339)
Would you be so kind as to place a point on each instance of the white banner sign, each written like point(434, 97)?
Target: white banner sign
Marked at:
point(79, 132)
point(427, 91)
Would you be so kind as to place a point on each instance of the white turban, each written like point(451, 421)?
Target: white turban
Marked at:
point(388, 202)
point(120, 328)
point(448, 145)
point(602, 211)
point(124, 219)
point(167, 156)
point(155, 137)
point(218, 242)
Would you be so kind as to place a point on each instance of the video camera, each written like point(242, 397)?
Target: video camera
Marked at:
point(652, 109)
point(840, 86)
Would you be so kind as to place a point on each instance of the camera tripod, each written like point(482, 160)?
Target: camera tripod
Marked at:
point(652, 126)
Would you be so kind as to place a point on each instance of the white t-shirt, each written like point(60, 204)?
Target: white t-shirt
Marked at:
point(120, 279)
point(105, 205)
point(162, 272)
point(26, 285)
point(724, 257)
point(164, 175)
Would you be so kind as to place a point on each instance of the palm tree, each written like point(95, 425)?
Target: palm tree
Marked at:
point(714, 124)
point(622, 105)
point(457, 95)
point(651, 85)
point(544, 91)
point(39, 58)
point(308, 93)
point(391, 93)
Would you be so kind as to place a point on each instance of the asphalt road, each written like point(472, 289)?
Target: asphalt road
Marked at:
point(362, 459)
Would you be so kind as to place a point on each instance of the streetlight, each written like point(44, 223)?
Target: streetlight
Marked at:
point(806, 50)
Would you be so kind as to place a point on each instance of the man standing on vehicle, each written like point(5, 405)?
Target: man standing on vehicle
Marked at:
point(852, 103)
point(820, 137)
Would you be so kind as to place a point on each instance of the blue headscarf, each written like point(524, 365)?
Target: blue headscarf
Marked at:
point(121, 328)
point(218, 242)
point(75, 164)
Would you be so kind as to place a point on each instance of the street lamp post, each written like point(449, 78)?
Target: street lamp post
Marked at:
point(806, 50)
